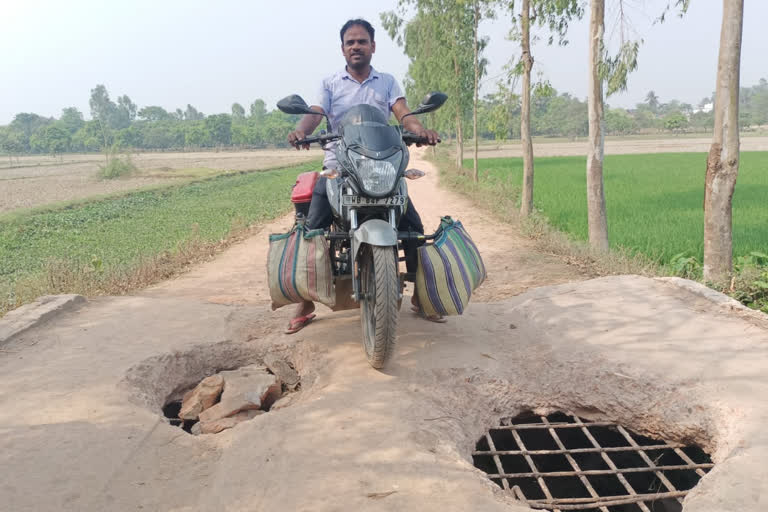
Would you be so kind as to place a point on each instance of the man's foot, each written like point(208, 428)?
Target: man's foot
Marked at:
point(438, 319)
point(297, 324)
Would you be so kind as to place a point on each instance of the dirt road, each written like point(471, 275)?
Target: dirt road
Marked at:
point(80, 396)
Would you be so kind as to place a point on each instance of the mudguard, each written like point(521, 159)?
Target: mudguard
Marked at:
point(373, 232)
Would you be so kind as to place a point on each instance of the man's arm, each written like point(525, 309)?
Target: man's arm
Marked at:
point(305, 127)
point(412, 124)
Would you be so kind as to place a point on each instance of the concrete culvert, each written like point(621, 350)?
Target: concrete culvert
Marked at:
point(562, 462)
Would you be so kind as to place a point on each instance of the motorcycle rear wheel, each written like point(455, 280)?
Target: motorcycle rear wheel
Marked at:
point(380, 287)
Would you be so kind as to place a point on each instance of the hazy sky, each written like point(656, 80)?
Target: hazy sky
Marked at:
point(211, 54)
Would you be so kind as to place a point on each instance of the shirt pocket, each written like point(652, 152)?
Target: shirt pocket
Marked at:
point(381, 102)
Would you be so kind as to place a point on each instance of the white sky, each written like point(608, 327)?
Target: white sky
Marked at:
point(211, 54)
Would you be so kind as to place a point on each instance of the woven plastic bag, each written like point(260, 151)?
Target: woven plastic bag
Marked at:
point(450, 269)
point(299, 268)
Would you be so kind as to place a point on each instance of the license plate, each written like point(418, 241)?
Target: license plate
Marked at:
point(369, 201)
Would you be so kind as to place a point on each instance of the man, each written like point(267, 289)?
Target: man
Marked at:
point(357, 84)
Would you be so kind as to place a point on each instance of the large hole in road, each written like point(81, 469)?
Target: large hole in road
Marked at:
point(226, 398)
point(218, 384)
point(564, 462)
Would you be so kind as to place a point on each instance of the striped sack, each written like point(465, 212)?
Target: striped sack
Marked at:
point(450, 269)
point(299, 268)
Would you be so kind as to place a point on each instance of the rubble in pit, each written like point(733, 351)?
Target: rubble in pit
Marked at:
point(227, 398)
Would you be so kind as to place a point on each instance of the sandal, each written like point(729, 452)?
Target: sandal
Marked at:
point(438, 319)
point(297, 324)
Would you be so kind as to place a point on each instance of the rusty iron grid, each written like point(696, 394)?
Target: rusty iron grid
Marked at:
point(666, 489)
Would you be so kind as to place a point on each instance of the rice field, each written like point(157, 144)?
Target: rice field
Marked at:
point(654, 201)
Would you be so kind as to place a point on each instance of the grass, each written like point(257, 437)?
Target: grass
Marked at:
point(654, 201)
point(654, 209)
point(121, 243)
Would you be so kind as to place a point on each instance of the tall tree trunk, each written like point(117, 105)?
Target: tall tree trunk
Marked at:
point(526, 205)
point(477, 84)
point(596, 216)
point(723, 160)
point(459, 130)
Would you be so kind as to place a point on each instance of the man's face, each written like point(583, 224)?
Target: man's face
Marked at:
point(357, 47)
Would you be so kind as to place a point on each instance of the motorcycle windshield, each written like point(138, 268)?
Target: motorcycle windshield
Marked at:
point(366, 126)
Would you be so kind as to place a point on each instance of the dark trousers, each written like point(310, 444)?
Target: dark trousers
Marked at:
point(320, 216)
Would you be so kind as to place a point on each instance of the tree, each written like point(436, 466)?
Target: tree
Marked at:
point(675, 121)
point(476, 88)
point(556, 14)
point(258, 110)
point(25, 125)
point(438, 40)
point(125, 112)
point(723, 159)
point(219, 127)
point(54, 139)
point(238, 112)
point(90, 137)
point(154, 113)
point(72, 119)
point(103, 111)
point(597, 220)
point(652, 101)
point(14, 142)
point(619, 122)
point(191, 114)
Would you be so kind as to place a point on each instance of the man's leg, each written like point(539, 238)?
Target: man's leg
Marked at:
point(320, 216)
point(411, 221)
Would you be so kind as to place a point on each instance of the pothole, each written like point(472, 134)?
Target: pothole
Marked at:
point(562, 462)
point(226, 398)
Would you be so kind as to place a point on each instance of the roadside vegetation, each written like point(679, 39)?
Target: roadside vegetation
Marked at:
point(654, 210)
point(117, 244)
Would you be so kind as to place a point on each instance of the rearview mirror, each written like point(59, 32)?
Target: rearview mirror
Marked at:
point(295, 104)
point(431, 102)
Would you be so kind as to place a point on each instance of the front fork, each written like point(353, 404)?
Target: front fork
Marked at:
point(355, 243)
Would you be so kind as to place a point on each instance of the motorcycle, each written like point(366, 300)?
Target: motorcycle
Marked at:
point(368, 195)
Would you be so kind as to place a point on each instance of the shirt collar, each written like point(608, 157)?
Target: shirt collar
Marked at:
point(374, 74)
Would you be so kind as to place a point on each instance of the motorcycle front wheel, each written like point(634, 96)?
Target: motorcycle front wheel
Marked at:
point(380, 288)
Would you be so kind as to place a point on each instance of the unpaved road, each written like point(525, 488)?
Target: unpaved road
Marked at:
point(80, 397)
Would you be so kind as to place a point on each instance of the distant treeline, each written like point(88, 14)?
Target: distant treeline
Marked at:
point(122, 123)
point(148, 128)
point(562, 115)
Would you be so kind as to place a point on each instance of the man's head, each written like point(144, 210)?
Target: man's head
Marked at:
point(357, 43)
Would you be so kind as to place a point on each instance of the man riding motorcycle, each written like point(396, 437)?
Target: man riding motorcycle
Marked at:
point(357, 83)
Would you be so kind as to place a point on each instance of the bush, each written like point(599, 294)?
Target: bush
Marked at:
point(117, 165)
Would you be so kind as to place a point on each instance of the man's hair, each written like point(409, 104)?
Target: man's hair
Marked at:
point(358, 21)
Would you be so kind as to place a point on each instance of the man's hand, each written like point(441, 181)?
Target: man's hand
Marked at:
point(295, 137)
point(430, 135)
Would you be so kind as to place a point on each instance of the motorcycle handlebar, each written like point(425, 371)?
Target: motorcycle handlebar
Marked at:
point(408, 137)
point(322, 139)
point(411, 138)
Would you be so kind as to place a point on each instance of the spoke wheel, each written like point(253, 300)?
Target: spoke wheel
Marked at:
point(380, 288)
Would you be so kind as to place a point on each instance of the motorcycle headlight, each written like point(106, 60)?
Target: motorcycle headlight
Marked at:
point(376, 176)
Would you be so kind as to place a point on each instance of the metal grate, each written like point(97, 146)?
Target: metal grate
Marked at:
point(561, 462)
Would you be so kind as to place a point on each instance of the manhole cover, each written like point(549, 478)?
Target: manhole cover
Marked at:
point(561, 462)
